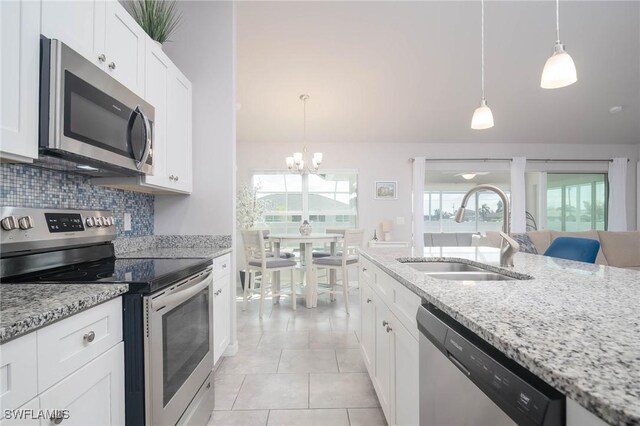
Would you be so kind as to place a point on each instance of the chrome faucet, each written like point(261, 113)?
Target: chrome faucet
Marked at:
point(508, 246)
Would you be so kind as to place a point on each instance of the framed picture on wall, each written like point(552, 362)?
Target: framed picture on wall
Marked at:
point(386, 190)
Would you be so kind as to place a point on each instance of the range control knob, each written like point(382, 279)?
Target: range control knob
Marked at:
point(112, 221)
point(9, 223)
point(99, 222)
point(91, 222)
point(25, 222)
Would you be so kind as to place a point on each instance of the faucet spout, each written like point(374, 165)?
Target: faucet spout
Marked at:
point(508, 246)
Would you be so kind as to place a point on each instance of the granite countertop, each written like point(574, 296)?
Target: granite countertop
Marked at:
point(27, 307)
point(176, 252)
point(574, 325)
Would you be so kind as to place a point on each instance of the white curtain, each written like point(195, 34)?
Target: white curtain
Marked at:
point(617, 211)
point(419, 167)
point(518, 196)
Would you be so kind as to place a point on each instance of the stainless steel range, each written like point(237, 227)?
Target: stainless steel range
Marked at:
point(167, 313)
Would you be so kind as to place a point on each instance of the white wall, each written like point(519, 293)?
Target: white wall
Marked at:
point(391, 162)
point(204, 50)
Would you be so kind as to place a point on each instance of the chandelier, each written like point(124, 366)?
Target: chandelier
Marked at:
point(298, 162)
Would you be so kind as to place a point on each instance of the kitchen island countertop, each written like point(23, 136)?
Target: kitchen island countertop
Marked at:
point(574, 325)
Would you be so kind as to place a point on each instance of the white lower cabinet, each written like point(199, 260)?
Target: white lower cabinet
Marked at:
point(73, 367)
point(221, 306)
point(23, 416)
point(93, 395)
point(389, 349)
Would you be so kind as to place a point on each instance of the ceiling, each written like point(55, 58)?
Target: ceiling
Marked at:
point(391, 71)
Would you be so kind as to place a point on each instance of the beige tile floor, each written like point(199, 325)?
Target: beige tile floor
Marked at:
point(296, 368)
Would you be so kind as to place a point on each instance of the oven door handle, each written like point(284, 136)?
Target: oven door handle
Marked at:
point(173, 300)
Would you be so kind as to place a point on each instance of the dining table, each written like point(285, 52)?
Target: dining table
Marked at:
point(306, 249)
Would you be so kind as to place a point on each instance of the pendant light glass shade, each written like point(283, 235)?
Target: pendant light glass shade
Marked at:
point(482, 117)
point(559, 70)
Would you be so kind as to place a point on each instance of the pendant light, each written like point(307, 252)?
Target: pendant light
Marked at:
point(559, 70)
point(298, 162)
point(482, 116)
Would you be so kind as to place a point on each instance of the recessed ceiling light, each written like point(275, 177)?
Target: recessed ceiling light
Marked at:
point(468, 176)
point(615, 109)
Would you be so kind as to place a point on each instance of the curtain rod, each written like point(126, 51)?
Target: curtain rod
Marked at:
point(532, 160)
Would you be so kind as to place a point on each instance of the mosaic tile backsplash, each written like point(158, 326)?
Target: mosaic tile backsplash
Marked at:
point(29, 186)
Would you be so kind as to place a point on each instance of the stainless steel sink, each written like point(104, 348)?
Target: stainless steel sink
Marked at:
point(470, 276)
point(457, 271)
point(444, 267)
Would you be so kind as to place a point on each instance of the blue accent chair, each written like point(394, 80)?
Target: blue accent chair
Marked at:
point(571, 248)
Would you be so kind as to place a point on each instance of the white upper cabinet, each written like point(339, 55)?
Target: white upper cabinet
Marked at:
point(19, 71)
point(157, 76)
point(179, 160)
point(103, 32)
point(78, 24)
point(124, 47)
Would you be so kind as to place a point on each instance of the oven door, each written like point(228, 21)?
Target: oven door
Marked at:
point(90, 118)
point(178, 346)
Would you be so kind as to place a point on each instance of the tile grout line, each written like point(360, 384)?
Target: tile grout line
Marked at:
point(238, 394)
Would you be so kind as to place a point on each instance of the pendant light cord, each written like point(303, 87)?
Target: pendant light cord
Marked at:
point(557, 21)
point(482, 47)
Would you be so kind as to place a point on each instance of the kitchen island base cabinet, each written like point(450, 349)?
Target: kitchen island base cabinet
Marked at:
point(389, 349)
point(93, 395)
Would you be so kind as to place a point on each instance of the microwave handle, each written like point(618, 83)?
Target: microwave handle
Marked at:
point(147, 138)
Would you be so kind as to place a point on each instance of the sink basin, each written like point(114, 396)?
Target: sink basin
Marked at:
point(470, 276)
point(457, 271)
point(444, 267)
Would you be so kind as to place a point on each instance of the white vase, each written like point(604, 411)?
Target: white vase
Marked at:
point(305, 228)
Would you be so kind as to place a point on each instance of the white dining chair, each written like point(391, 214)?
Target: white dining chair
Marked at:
point(258, 260)
point(351, 242)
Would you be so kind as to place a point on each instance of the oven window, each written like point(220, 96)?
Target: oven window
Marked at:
point(185, 340)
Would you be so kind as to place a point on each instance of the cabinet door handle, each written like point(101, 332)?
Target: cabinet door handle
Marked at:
point(389, 329)
point(224, 266)
point(56, 419)
point(385, 323)
point(89, 337)
point(112, 65)
point(368, 300)
point(364, 269)
point(172, 178)
point(102, 57)
point(177, 177)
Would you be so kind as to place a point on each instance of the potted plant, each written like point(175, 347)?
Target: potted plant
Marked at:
point(249, 212)
point(158, 18)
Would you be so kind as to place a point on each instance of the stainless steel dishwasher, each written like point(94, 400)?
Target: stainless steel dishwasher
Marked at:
point(464, 381)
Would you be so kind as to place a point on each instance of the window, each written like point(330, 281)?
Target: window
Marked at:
point(483, 212)
point(327, 199)
point(444, 191)
point(577, 202)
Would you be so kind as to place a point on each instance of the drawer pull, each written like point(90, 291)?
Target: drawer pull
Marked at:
point(364, 269)
point(389, 329)
point(224, 266)
point(112, 66)
point(56, 419)
point(369, 300)
point(102, 58)
point(89, 337)
point(385, 323)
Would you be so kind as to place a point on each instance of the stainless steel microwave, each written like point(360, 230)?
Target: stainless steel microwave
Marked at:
point(89, 122)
